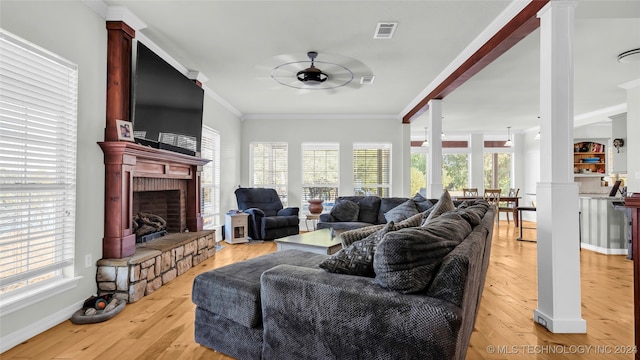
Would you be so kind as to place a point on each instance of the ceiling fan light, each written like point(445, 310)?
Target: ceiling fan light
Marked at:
point(312, 76)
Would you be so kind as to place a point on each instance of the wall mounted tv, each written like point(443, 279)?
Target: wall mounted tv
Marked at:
point(166, 105)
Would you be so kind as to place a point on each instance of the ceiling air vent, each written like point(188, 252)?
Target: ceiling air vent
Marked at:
point(367, 79)
point(385, 30)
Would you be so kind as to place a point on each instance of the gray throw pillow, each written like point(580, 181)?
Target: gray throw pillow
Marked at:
point(345, 210)
point(422, 203)
point(407, 260)
point(350, 236)
point(443, 205)
point(401, 212)
point(357, 259)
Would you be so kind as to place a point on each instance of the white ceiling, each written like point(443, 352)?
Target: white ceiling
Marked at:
point(235, 44)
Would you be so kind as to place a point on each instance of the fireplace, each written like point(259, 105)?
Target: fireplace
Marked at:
point(144, 179)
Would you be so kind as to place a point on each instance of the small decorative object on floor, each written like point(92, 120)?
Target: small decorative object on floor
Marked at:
point(98, 309)
point(315, 206)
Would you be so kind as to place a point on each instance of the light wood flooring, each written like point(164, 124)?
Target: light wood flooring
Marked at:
point(160, 326)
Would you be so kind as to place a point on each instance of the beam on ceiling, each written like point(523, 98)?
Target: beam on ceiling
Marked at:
point(521, 25)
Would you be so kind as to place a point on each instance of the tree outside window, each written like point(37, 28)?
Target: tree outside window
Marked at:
point(455, 172)
point(497, 171)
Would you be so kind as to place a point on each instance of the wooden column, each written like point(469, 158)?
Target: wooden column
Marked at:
point(119, 44)
point(118, 241)
point(633, 202)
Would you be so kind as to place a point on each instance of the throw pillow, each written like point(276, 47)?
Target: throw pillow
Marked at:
point(357, 259)
point(422, 203)
point(345, 210)
point(350, 236)
point(407, 260)
point(401, 212)
point(443, 205)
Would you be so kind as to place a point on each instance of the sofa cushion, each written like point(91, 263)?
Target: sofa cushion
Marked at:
point(345, 210)
point(422, 203)
point(233, 291)
point(401, 212)
point(406, 260)
point(443, 205)
point(386, 204)
point(357, 259)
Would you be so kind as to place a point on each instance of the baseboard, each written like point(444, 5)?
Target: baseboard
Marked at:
point(26, 333)
point(560, 326)
point(603, 250)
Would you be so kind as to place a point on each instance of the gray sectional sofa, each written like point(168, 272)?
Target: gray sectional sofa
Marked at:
point(369, 210)
point(415, 297)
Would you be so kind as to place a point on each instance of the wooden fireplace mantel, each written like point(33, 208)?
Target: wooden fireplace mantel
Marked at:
point(125, 160)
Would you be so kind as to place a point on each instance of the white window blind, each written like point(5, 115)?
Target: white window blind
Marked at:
point(372, 169)
point(320, 173)
point(210, 180)
point(38, 116)
point(270, 167)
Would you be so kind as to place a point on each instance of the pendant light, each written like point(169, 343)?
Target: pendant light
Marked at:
point(425, 143)
point(508, 143)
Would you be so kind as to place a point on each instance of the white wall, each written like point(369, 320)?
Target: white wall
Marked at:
point(75, 32)
point(343, 131)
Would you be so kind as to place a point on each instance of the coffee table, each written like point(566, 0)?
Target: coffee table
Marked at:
point(319, 242)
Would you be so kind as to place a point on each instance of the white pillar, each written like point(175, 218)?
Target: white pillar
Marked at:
point(559, 305)
point(476, 163)
point(632, 141)
point(434, 173)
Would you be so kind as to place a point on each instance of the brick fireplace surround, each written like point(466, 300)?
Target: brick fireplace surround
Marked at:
point(126, 270)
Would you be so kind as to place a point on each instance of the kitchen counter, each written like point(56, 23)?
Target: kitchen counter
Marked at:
point(603, 228)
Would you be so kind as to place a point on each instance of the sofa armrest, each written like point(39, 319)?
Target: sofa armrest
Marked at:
point(290, 211)
point(254, 222)
point(310, 313)
point(327, 218)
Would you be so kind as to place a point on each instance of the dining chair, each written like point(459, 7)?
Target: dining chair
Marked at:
point(469, 192)
point(507, 206)
point(492, 196)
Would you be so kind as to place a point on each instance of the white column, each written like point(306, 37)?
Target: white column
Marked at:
point(632, 140)
point(559, 305)
point(434, 173)
point(476, 171)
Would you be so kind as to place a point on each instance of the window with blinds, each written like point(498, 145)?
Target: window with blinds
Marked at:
point(269, 167)
point(372, 169)
point(210, 178)
point(38, 116)
point(320, 173)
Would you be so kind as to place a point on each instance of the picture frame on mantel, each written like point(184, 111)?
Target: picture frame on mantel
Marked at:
point(125, 130)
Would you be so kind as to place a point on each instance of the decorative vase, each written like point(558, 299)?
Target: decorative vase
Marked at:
point(315, 206)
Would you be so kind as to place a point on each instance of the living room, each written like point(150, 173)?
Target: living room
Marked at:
point(76, 32)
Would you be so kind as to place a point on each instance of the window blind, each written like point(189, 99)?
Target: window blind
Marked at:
point(210, 180)
point(269, 167)
point(320, 171)
point(38, 116)
point(372, 169)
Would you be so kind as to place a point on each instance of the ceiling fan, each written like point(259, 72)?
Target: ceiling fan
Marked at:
point(305, 75)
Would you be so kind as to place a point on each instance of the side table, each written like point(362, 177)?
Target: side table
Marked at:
point(314, 218)
point(236, 228)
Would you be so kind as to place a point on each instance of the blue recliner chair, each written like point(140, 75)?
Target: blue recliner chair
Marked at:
point(268, 219)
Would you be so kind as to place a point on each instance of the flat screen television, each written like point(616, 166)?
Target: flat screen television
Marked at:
point(166, 105)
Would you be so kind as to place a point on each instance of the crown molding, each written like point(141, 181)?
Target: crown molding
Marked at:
point(320, 117)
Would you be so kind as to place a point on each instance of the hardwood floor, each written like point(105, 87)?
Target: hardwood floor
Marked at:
point(160, 326)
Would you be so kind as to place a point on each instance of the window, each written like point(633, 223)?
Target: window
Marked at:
point(210, 180)
point(372, 169)
point(320, 174)
point(455, 173)
point(418, 171)
point(269, 167)
point(497, 164)
point(38, 117)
